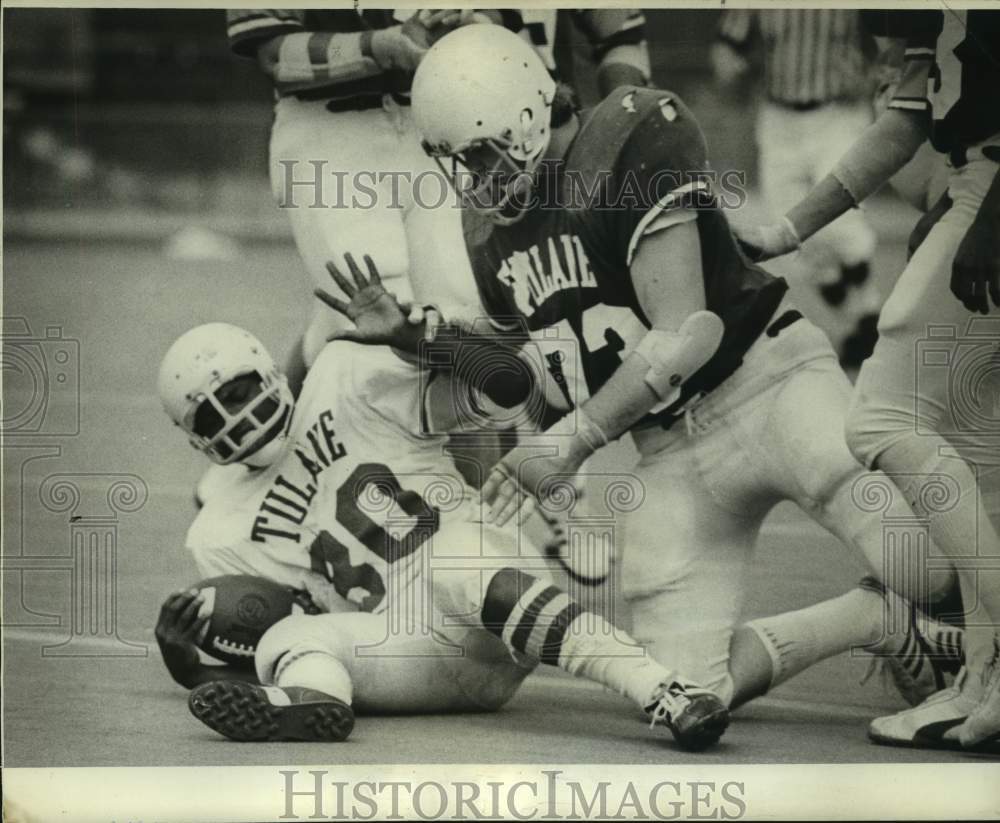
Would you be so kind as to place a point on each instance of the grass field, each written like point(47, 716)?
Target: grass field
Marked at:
point(113, 703)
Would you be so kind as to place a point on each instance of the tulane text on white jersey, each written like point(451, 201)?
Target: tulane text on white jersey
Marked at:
point(356, 494)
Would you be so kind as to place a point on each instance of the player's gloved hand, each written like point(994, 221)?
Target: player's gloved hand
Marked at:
point(541, 468)
point(178, 627)
point(975, 274)
point(761, 243)
point(379, 318)
point(400, 47)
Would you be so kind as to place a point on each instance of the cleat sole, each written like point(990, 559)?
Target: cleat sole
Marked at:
point(241, 711)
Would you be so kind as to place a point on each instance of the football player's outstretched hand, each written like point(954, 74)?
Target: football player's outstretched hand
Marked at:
point(378, 317)
point(523, 478)
point(975, 274)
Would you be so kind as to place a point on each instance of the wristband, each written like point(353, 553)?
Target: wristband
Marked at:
point(579, 426)
point(790, 233)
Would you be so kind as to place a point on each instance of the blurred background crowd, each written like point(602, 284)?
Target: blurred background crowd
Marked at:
point(131, 111)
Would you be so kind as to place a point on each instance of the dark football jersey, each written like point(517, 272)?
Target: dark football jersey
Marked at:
point(955, 57)
point(564, 267)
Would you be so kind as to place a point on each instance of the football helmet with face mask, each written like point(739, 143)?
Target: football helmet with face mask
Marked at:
point(482, 99)
point(218, 383)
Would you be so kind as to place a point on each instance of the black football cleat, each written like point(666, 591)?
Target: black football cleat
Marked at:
point(695, 716)
point(245, 711)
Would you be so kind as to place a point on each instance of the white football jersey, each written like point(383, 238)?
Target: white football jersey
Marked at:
point(356, 493)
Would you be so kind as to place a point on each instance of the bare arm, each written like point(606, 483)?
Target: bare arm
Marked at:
point(882, 150)
point(666, 273)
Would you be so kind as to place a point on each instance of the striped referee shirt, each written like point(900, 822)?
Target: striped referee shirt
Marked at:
point(811, 56)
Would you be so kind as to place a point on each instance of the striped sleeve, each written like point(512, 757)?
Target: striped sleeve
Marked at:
point(921, 31)
point(736, 27)
point(247, 29)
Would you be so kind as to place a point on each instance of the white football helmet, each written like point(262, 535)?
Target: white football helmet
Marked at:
point(482, 97)
point(237, 424)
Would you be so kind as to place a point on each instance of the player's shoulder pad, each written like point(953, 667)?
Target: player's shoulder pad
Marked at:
point(648, 138)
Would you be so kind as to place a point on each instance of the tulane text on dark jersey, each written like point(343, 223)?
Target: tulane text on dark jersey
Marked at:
point(638, 156)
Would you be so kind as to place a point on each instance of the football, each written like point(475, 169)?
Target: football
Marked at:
point(241, 608)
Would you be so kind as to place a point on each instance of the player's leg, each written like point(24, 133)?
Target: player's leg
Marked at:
point(925, 362)
point(317, 670)
point(784, 157)
point(329, 174)
point(688, 547)
point(514, 600)
point(808, 462)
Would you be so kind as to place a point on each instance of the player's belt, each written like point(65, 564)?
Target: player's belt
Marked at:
point(368, 101)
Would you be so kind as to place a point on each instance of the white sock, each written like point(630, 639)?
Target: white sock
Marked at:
point(611, 657)
point(315, 670)
point(797, 640)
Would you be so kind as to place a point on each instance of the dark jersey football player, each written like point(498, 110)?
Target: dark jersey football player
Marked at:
point(570, 230)
point(598, 235)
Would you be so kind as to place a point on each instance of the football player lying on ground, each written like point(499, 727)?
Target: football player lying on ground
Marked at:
point(364, 397)
point(348, 494)
point(604, 225)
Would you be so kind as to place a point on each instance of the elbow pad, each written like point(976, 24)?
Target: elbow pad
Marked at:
point(886, 146)
point(674, 356)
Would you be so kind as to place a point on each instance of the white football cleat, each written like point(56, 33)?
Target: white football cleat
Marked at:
point(925, 726)
point(981, 731)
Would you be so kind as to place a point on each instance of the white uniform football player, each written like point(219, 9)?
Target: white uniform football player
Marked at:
point(934, 358)
point(345, 161)
point(345, 494)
